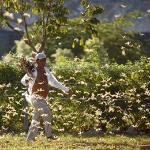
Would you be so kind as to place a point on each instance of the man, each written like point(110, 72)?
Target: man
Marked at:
point(38, 88)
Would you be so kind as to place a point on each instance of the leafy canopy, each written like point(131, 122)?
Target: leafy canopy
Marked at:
point(41, 20)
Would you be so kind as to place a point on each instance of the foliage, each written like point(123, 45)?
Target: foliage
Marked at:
point(112, 41)
point(72, 38)
point(10, 97)
point(60, 54)
point(118, 41)
point(45, 16)
point(105, 94)
point(38, 21)
point(22, 49)
point(95, 51)
point(53, 30)
point(112, 95)
point(10, 59)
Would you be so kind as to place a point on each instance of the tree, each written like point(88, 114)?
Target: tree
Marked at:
point(119, 42)
point(41, 20)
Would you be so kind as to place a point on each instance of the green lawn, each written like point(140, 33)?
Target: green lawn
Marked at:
point(70, 142)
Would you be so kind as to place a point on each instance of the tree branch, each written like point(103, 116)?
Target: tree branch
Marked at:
point(12, 28)
point(44, 32)
point(29, 42)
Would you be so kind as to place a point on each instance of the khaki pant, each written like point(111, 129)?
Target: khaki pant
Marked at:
point(42, 111)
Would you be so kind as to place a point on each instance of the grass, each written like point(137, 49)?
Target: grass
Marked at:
point(71, 142)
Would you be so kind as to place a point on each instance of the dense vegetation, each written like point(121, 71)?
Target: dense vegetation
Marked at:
point(111, 96)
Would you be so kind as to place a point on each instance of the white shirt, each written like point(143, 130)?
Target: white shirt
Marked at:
point(31, 80)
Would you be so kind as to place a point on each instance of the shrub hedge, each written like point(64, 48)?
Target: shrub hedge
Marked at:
point(106, 97)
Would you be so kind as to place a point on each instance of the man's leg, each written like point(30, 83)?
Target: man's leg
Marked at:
point(33, 129)
point(46, 116)
point(47, 121)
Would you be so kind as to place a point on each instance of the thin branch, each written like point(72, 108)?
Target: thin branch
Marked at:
point(44, 32)
point(12, 28)
point(29, 42)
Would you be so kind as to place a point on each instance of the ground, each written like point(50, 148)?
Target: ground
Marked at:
point(71, 142)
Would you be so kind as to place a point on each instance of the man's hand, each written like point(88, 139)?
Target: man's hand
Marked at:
point(27, 82)
point(69, 93)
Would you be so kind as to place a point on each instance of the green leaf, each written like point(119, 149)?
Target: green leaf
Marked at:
point(81, 42)
point(98, 10)
point(73, 45)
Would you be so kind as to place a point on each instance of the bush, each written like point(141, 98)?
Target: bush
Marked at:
point(11, 102)
point(114, 96)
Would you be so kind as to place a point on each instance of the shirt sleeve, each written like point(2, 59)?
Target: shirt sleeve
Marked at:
point(54, 82)
point(25, 80)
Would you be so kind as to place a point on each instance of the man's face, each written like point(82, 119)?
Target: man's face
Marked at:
point(41, 62)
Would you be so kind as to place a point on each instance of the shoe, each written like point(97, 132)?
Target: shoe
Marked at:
point(53, 137)
point(30, 140)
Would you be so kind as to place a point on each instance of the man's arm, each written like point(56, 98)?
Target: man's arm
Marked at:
point(54, 82)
